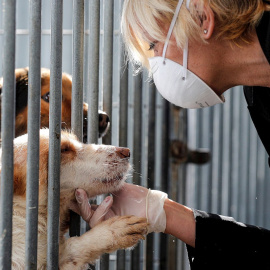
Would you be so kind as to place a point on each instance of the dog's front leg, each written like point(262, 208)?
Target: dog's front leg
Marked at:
point(108, 236)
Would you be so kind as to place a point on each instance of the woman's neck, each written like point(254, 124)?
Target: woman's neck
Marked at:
point(241, 65)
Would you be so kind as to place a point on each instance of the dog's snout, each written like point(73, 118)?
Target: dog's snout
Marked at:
point(104, 123)
point(122, 152)
point(104, 119)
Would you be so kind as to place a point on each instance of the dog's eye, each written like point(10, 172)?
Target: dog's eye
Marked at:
point(65, 148)
point(46, 97)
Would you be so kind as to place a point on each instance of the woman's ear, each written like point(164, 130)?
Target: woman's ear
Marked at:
point(207, 22)
point(205, 18)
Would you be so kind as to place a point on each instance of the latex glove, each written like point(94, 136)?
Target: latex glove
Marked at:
point(83, 208)
point(132, 200)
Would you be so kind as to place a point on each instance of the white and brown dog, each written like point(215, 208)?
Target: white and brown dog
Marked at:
point(97, 169)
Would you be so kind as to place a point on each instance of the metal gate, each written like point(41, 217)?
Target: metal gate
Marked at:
point(82, 37)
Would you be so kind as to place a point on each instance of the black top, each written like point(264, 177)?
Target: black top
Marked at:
point(221, 242)
point(258, 98)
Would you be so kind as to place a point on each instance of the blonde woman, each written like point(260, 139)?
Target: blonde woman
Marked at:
point(198, 49)
point(195, 51)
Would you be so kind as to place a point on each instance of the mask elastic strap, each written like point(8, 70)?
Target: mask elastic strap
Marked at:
point(187, 4)
point(185, 59)
point(171, 28)
point(185, 52)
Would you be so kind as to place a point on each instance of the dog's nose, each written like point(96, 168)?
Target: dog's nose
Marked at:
point(122, 152)
point(104, 119)
point(104, 123)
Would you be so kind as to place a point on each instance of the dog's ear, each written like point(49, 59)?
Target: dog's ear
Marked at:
point(20, 168)
point(21, 76)
point(45, 77)
point(19, 184)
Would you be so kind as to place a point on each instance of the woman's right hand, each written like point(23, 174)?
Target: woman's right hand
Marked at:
point(129, 200)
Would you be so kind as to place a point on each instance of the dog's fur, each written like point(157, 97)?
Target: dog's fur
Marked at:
point(21, 75)
point(97, 169)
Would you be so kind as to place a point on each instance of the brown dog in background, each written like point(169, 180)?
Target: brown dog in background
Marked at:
point(21, 75)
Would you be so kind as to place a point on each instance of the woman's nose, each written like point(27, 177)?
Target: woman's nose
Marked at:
point(158, 49)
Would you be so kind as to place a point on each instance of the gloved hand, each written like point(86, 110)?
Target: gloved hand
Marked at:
point(91, 214)
point(130, 200)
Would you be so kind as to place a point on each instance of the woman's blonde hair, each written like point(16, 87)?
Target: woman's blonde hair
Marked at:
point(144, 20)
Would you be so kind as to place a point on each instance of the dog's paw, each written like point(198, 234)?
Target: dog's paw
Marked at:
point(123, 232)
point(108, 236)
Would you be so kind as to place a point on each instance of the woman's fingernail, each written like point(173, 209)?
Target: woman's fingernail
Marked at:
point(78, 196)
point(107, 199)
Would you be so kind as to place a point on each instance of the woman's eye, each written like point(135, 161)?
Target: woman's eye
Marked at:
point(152, 46)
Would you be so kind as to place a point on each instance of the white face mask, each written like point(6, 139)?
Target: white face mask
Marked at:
point(176, 83)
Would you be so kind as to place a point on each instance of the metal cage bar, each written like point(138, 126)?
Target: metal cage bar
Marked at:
point(107, 79)
point(123, 136)
point(77, 90)
point(108, 61)
point(164, 176)
point(34, 88)
point(93, 71)
point(55, 134)
point(7, 121)
point(151, 165)
point(77, 69)
point(159, 103)
point(123, 113)
point(137, 88)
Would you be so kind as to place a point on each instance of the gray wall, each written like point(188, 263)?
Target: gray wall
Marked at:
point(236, 181)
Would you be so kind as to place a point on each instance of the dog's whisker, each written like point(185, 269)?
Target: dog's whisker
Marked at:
point(140, 174)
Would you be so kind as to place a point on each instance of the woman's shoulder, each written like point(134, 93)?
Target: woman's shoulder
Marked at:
point(263, 32)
